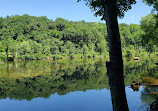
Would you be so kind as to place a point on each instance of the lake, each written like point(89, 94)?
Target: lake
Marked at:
point(73, 85)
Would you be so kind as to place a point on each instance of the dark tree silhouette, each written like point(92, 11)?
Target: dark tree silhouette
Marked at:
point(110, 10)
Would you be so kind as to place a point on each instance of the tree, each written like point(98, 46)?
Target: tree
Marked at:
point(110, 10)
point(150, 36)
point(47, 37)
point(50, 38)
point(153, 3)
point(7, 40)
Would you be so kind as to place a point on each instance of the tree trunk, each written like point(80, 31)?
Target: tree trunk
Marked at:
point(115, 66)
point(114, 40)
point(7, 52)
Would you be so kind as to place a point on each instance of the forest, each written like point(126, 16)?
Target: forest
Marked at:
point(33, 38)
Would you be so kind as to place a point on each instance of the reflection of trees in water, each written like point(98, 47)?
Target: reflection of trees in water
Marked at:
point(117, 87)
point(31, 79)
point(80, 78)
point(133, 71)
point(149, 94)
point(35, 68)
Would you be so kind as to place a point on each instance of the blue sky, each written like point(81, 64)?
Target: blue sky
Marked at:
point(67, 9)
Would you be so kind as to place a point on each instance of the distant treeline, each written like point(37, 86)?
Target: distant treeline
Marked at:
point(30, 37)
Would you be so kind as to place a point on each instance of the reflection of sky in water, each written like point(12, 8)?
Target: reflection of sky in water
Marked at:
point(90, 100)
point(134, 100)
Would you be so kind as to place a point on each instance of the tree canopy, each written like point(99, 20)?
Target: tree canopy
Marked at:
point(97, 6)
point(153, 3)
point(30, 37)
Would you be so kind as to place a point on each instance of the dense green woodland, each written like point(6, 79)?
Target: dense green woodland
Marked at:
point(30, 37)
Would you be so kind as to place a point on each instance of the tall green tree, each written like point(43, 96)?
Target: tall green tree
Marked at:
point(150, 36)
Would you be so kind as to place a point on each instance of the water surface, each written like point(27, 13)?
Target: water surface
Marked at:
point(73, 85)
